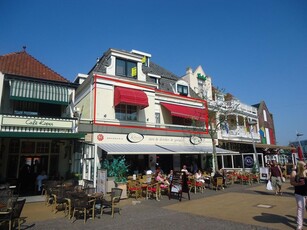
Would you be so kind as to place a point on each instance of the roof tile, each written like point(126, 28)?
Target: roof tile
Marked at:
point(23, 64)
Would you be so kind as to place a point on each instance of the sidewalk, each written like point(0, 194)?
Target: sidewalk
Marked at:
point(236, 207)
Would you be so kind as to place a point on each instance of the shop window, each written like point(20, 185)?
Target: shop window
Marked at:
point(237, 161)
point(227, 161)
point(126, 68)
point(42, 147)
point(126, 112)
point(182, 90)
point(28, 147)
point(14, 146)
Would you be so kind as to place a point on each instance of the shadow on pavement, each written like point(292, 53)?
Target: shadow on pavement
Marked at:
point(272, 219)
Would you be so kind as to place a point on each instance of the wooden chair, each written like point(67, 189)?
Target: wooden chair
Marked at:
point(196, 185)
point(134, 188)
point(16, 212)
point(217, 182)
point(85, 206)
point(153, 191)
point(113, 202)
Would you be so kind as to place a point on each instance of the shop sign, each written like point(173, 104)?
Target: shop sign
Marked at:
point(135, 137)
point(36, 122)
point(195, 140)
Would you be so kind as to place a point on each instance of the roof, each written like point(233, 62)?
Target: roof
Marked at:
point(23, 64)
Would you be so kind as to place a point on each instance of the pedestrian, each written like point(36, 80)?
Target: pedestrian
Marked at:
point(298, 179)
point(275, 177)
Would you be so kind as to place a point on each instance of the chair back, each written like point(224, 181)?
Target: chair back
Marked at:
point(17, 209)
point(116, 194)
point(219, 181)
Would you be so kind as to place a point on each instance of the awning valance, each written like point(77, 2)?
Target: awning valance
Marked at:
point(36, 91)
point(130, 97)
point(196, 149)
point(123, 149)
point(186, 112)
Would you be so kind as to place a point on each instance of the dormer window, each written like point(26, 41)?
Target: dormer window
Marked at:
point(182, 90)
point(126, 68)
point(154, 78)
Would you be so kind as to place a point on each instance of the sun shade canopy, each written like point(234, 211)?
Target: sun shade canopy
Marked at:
point(186, 112)
point(130, 97)
point(39, 92)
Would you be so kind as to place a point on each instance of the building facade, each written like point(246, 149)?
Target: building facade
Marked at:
point(37, 127)
point(134, 107)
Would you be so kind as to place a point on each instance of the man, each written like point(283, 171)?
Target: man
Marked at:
point(275, 177)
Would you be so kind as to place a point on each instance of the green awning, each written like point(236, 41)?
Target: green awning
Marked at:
point(39, 92)
point(42, 135)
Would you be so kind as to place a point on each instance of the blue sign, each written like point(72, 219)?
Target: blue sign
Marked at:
point(248, 161)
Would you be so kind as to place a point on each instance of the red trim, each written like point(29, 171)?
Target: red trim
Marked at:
point(130, 97)
point(149, 88)
point(152, 128)
point(186, 112)
point(138, 127)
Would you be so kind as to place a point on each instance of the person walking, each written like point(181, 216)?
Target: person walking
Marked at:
point(298, 179)
point(275, 177)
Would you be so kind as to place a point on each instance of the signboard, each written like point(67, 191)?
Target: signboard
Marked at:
point(101, 181)
point(264, 173)
point(248, 161)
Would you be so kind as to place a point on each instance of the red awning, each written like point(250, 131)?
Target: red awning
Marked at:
point(130, 97)
point(186, 112)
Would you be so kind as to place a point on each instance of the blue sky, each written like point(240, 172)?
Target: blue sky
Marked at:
point(254, 49)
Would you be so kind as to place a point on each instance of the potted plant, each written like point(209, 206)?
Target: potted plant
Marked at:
point(118, 169)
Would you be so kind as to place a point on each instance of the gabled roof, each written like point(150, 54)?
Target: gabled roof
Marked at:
point(23, 64)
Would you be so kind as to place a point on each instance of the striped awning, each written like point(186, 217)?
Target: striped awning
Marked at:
point(40, 92)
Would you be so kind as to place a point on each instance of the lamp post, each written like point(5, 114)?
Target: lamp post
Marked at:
point(254, 146)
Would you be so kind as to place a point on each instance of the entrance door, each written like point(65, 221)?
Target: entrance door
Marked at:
point(30, 167)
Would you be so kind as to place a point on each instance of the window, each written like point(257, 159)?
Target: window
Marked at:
point(237, 160)
point(28, 108)
point(43, 147)
point(264, 116)
point(157, 115)
point(126, 112)
point(126, 68)
point(25, 108)
point(227, 161)
point(182, 90)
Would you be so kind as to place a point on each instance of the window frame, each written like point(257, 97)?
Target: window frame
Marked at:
point(126, 68)
point(124, 112)
point(180, 89)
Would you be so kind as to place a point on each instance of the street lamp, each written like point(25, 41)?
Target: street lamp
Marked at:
point(254, 145)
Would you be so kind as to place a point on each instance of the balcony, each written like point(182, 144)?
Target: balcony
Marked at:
point(239, 134)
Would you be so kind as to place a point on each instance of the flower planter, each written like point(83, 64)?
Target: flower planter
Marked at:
point(123, 186)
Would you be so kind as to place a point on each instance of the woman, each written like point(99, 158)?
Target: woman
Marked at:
point(299, 180)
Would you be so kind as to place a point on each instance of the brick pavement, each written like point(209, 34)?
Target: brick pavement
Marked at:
point(236, 207)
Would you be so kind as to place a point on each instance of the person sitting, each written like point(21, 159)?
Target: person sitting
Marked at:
point(161, 179)
point(39, 180)
point(199, 177)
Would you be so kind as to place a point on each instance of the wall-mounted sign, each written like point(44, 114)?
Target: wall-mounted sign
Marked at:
point(195, 140)
point(201, 77)
point(248, 161)
point(135, 137)
point(36, 122)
